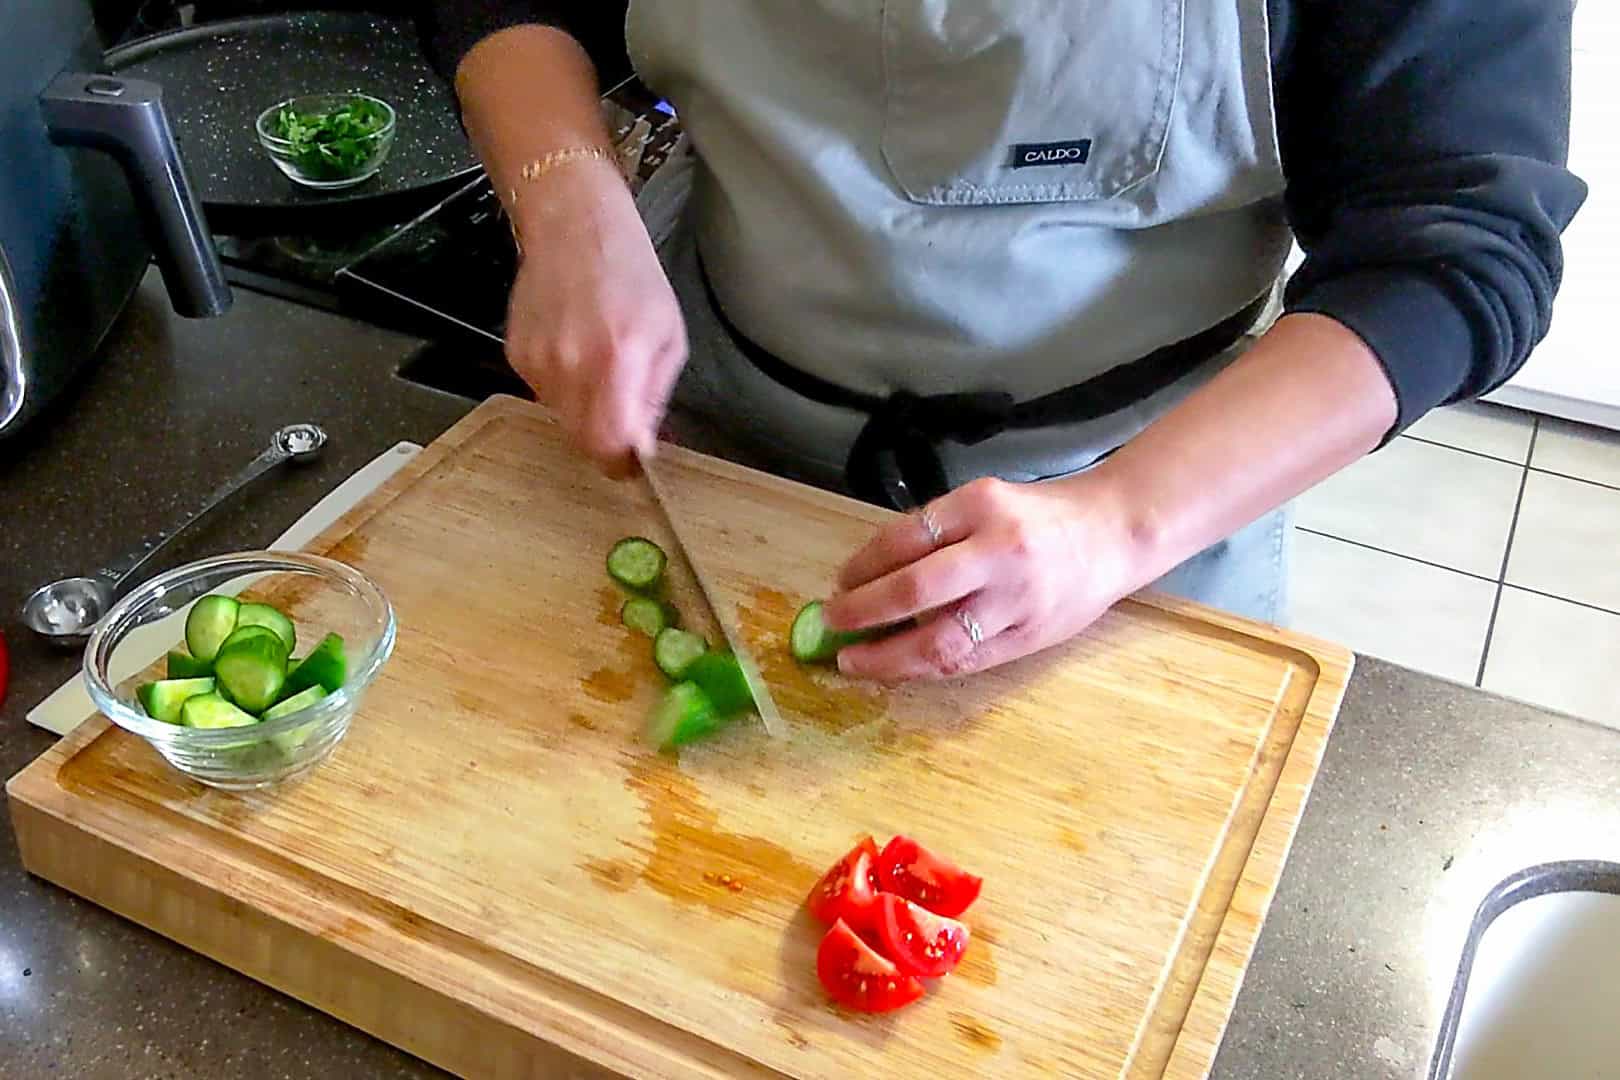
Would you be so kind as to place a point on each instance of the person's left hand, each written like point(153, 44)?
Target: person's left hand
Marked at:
point(1030, 565)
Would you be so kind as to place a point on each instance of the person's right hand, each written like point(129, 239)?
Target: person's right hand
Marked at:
point(593, 325)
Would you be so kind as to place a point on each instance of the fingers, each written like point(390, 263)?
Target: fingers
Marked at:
point(595, 328)
point(609, 398)
point(940, 647)
point(932, 582)
point(907, 540)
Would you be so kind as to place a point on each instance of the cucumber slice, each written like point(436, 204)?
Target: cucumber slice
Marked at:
point(252, 670)
point(636, 563)
point(812, 642)
point(325, 666)
point(288, 742)
point(265, 615)
point(721, 677)
point(213, 711)
point(163, 699)
point(647, 615)
point(208, 625)
point(182, 665)
point(675, 650)
point(684, 714)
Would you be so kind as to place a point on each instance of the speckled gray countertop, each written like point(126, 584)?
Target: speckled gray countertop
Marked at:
point(1430, 793)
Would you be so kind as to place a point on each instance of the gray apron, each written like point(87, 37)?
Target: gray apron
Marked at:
point(927, 196)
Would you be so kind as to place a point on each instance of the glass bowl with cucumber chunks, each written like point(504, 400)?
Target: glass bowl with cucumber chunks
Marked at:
point(242, 670)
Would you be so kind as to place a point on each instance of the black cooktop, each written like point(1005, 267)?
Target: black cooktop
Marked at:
point(445, 273)
point(440, 269)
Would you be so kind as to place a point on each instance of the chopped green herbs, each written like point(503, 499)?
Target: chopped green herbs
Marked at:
point(332, 145)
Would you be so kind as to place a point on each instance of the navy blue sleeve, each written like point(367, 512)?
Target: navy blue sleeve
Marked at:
point(450, 28)
point(1425, 144)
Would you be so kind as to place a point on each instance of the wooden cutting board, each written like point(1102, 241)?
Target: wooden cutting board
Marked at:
point(491, 871)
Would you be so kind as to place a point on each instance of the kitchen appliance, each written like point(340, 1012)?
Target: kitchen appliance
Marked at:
point(494, 873)
point(88, 160)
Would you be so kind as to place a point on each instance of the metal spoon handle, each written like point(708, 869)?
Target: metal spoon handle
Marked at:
point(117, 572)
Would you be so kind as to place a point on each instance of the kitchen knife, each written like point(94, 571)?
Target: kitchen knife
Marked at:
point(768, 712)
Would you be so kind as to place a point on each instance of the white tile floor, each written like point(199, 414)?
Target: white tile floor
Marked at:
point(1483, 546)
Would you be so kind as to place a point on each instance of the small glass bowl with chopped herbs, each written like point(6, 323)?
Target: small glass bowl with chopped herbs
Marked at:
point(328, 141)
point(242, 670)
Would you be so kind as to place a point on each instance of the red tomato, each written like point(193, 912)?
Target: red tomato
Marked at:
point(858, 978)
point(849, 890)
point(918, 941)
point(907, 868)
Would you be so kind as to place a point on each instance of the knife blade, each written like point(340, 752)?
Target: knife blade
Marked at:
point(769, 714)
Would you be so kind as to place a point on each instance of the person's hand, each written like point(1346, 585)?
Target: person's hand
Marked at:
point(593, 325)
point(1029, 565)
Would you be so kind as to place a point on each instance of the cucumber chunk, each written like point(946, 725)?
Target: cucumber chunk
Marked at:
point(252, 670)
point(289, 741)
point(246, 633)
point(647, 615)
point(301, 700)
point(721, 677)
point(683, 715)
point(213, 711)
point(208, 625)
point(813, 643)
point(163, 699)
point(325, 666)
point(636, 563)
point(265, 615)
point(675, 650)
point(182, 665)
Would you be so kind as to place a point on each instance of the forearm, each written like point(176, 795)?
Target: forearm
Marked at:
point(525, 92)
point(1308, 399)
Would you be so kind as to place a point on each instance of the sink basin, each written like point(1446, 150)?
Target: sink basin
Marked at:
point(1537, 992)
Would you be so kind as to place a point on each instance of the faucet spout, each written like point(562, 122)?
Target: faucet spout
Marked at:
point(126, 118)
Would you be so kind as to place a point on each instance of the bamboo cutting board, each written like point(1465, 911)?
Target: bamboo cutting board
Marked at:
point(493, 873)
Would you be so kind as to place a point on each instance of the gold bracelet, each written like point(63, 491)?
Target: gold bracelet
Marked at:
point(537, 168)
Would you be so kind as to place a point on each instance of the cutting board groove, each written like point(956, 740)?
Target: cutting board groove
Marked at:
point(492, 873)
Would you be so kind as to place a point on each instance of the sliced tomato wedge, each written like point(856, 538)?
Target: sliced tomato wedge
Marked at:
point(910, 870)
point(857, 977)
point(918, 941)
point(849, 890)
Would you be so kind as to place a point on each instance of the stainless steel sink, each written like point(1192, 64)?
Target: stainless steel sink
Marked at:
point(1537, 992)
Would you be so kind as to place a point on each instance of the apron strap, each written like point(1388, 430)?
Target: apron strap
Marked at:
point(908, 428)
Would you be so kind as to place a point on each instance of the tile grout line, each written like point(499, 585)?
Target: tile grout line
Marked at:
point(1469, 574)
point(1577, 479)
point(1507, 554)
point(1397, 555)
point(1467, 450)
point(1565, 600)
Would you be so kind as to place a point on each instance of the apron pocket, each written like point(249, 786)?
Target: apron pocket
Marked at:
point(1027, 101)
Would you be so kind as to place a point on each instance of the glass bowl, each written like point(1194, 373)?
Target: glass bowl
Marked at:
point(323, 164)
point(321, 596)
